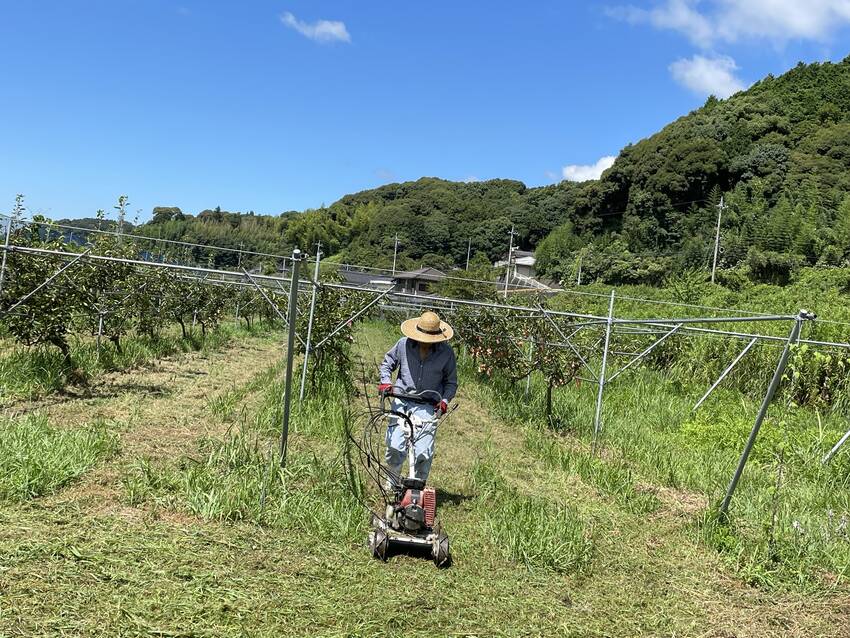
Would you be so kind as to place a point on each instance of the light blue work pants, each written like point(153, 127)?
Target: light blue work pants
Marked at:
point(397, 440)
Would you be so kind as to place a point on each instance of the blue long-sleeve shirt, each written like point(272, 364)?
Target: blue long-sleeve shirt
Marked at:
point(438, 371)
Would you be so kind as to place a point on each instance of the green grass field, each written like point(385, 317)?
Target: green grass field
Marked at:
point(172, 518)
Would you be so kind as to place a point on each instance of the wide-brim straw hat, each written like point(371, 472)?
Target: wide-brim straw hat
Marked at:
point(428, 328)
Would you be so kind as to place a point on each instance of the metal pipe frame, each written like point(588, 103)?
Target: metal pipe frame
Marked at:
point(290, 355)
point(350, 319)
point(707, 320)
point(828, 456)
point(46, 282)
point(464, 302)
point(310, 322)
point(640, 356)
point(284, 318)
point(768, 398)
point(597, 419)
point(139, 262)
point(433, 301)
point(568, 342)
point(724, 373)
point(175, 242)
point(358, 267)
point(5, 252)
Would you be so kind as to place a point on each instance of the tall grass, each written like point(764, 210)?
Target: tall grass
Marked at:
point(37, 459)
point(790, 535)
point(531, 531)
point(28, 373)
point(510, 402)
point(238, 478)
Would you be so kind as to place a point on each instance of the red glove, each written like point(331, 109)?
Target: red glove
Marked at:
point(385, 388)
point(442, 407)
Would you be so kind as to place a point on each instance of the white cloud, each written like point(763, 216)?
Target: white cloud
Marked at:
point(677, 15)
point(584, 172)
point(469, 179)
point(780, 20)
point(710, 21)
point(320, 31)
point(707, 76)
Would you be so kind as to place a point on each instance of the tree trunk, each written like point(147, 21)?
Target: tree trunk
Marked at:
point(549, 403)
point(60, 343)
point(116, 340)
point(182, 327)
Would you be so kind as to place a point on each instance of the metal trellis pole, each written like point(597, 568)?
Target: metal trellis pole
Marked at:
point(351, 319)
point(597, 423)
point(290, 355)
point(726, 371)
point(567, 340)
point(310, 320)
point(239, 266)
point(645, 352)
point(47, 281)
point(826, 459)
point(765, 404)
point(531, 361)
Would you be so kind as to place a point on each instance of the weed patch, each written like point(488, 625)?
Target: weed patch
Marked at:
point(531, 531)
point(37, 459)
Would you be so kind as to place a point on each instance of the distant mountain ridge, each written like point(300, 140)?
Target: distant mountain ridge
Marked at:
point(778, 153)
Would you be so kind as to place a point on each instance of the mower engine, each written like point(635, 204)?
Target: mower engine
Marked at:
point(418, 508)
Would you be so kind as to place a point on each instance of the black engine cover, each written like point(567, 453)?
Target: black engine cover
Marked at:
point(413, 518)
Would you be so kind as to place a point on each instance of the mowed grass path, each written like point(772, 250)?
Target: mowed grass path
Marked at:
point(85, 562)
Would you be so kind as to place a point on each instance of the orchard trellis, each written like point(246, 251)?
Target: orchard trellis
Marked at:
point(117, 288)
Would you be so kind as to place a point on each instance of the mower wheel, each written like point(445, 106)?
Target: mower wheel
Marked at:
point(442, 554)
point(379, 544)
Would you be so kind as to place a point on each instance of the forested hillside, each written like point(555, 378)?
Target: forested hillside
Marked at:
point(778, 153)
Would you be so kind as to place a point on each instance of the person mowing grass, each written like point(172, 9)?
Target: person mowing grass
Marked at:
point(425, 363)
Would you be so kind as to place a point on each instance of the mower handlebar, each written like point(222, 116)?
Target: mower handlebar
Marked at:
point(431, 397)
point(426, 397)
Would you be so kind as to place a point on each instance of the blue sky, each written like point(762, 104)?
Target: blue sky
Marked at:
point(288, 104)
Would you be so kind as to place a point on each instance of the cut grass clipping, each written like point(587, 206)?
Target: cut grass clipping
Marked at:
point(37, 459)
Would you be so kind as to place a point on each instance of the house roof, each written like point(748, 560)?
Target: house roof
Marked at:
point(422, 274)
point(359, 278)
point(520, 261)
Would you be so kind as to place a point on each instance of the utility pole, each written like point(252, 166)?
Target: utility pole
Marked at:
point(578, 275)
point(395, 252)
point(508, 268)
point(468, 251)
point(720, 208)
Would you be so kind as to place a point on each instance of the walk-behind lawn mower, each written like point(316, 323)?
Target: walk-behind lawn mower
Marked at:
point(409, 518)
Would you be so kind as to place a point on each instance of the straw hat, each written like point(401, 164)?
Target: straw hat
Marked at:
point(428, 328)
